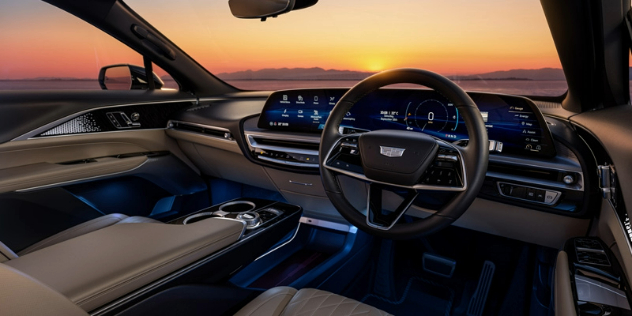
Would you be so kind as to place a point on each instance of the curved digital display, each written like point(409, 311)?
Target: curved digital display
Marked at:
point(514, 121)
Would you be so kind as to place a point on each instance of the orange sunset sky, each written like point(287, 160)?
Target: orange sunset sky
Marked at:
point(455, 37)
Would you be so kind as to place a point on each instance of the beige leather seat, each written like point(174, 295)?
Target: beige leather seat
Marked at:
point(20, 294)
point(286, 301)
point(84, 228)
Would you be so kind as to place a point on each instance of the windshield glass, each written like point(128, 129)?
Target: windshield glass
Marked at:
point(486, 45)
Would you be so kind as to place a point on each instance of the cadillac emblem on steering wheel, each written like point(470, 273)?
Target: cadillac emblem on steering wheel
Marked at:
point(391, 151)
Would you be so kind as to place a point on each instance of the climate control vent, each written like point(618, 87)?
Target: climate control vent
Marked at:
point(301, 152)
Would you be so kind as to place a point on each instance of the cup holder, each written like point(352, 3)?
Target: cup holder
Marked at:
point(237, 207)
point(230, 210)
point(198, 217)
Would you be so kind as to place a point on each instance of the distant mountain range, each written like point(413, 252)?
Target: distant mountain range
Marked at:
point(317, 73)
point(542, 74)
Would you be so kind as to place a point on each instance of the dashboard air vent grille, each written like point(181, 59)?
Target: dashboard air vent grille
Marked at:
point(286, 143)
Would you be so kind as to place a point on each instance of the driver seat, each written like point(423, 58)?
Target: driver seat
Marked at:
point(22, 295)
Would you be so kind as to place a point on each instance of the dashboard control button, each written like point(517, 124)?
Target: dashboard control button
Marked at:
point(518, 192)
point(550, 197)
point(540, 195)
point(504, 188)
point(530, 195)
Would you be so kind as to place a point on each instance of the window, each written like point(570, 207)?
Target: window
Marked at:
point(486, 45)
point(44, 47)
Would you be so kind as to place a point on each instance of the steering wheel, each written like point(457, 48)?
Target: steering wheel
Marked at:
point(406, 160)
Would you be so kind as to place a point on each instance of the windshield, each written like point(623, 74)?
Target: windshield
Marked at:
point(486, 45)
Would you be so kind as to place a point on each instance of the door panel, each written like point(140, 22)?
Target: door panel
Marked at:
point(51, 183)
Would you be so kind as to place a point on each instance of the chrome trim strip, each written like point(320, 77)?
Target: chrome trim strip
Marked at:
point(216, 128)
point(287, 242)
point(414, 187)
point(297, 138)
point(289, 163)
point(301, 183)
point(313, 222)
point(57, 184)
point(252, 143)
point(44, 128)
point(113, 305)
point(252, 206)
point(327, 224)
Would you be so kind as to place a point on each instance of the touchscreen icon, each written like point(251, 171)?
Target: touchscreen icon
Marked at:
point(331, 99)
point(285, 97)
point(316, 98)
point(300, 111)
point(300, 98)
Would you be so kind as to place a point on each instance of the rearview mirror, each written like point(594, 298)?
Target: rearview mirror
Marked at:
point(126, 77)
point(262, 9)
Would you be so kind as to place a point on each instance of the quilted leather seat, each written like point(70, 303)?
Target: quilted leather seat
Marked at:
point(287, 301)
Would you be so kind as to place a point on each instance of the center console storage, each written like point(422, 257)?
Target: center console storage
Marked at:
point(253, 213)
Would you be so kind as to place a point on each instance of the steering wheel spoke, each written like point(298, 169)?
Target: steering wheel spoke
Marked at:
point(379, 218)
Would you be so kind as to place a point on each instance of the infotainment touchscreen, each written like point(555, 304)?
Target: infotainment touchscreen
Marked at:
point(514, 121)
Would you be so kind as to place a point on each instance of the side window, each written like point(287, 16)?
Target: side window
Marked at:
point(44, 47)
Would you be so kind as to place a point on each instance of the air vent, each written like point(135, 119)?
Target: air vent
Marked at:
point(201, 129)
point(286, 143)
point(592, 257)
point(547, 104)
point(535, 173)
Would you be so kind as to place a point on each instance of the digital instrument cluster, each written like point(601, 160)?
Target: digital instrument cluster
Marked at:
point(514, 123)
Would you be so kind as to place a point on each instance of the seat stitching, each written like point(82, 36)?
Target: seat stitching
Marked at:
point(345, 301)
point(320, 304)
point(269, 299)
point(335, 309)
point(326, 295)
point(304, 301)
point(356, 307)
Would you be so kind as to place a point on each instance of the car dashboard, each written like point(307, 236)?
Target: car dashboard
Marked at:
point(538, 165)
